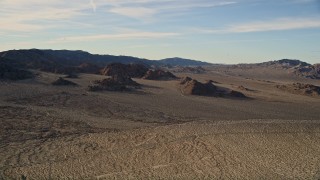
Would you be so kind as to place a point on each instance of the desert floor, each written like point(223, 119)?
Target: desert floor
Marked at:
point(155, 132)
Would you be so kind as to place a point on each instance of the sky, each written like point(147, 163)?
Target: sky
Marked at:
point(216, 31)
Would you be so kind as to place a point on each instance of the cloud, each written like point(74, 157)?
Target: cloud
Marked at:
point(264, 26)
point(39, 15)
point(119, 36)
point(36, 15)
point(21, 27)
point(303, 1)
point(134, 12)
point(276, 25)
point(197, 4)
point(27, 22)
point(93, 5)
point(141, 9)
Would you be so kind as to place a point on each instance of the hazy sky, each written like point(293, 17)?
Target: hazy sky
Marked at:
point(218, 31)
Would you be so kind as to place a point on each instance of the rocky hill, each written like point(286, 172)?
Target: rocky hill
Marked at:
point(285, 63)
point(309, 71)
point(287, 66)
point(159, 75)
point(191, 86)
point(114, 83)
point(300, 88)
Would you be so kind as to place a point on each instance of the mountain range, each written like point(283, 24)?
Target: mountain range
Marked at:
point(65, 61)
point(35, 58)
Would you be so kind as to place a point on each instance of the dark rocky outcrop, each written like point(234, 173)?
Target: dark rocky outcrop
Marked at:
point(193, 87)
point(237, 94)
point(159, 75)
point(185, 80)
point(63, 82)
point(130, 70)
point(115, 83)
point(300, 88)
point(285, 63)
point(310, 71)
point(89, 68)
point(243, 88)
point(8, 72)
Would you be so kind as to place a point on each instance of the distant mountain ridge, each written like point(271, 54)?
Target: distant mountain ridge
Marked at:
point(176, 61)
point(67, 57)
point(36, 58)
point(67, 61)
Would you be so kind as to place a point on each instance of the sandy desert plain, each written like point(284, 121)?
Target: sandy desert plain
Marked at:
point(157, 132)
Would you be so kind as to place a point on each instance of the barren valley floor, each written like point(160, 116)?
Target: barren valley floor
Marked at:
point(157, 132)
